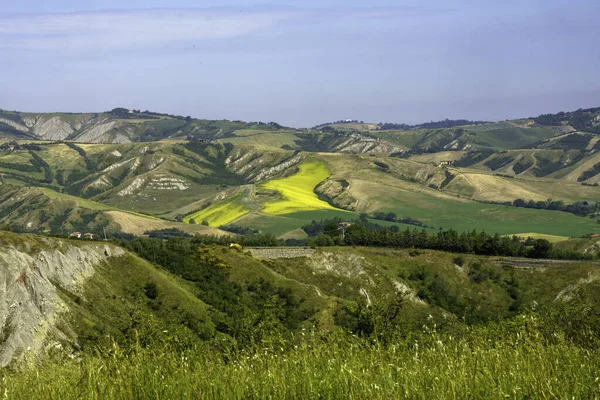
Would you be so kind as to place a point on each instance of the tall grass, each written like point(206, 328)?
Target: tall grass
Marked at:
point(518, 364)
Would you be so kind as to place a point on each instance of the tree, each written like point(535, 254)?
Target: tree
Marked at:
point(331, 229)
point(541, 249)
point(392, 217)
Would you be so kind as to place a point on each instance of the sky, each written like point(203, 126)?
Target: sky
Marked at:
point(301, 63)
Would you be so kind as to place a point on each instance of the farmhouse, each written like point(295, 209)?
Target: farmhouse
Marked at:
point(75, 235)
point(89, 236)
point(449, 162)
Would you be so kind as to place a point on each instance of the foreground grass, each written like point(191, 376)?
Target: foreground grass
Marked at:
point(516, 366)
point(298, 190)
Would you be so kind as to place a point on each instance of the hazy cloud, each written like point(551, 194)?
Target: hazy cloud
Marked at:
point(128, 29)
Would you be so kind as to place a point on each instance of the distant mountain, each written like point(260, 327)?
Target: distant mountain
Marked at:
point(119, 125)
point(587, 120)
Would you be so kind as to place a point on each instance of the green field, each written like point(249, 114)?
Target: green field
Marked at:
point(464, 215)
point(281, 224)
point(263, 139)
point(504, 135)
point(298, 190)
point(221, 213)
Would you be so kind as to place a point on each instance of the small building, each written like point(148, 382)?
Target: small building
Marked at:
point(447, 162)
point(11, 147)
point(589, 203)
point(76, 235)
point(89, 236)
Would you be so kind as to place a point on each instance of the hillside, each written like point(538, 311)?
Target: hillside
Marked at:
point(201, 318)
point(87, 187)
point(252, 175)
point(119, 125)
point(69, 294)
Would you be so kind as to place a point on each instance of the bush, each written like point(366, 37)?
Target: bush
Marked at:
point(151, 290)
point(459, 260)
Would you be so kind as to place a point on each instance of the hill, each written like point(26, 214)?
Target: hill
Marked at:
point(78, 290)
point(222, 183)
point(507, 177)
point(96, 313)
point(119, 125)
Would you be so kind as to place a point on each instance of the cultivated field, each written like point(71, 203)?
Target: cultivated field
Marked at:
point(298, 190)
point(221, 213)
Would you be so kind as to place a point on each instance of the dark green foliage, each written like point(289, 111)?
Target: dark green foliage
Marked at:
point(151, 290)
point(392, 217)
point(41, 164)
point(382, 165)
point(21, 167)
point(447, 123)
point(522, 165)
point(6, 210)
point(498, 162)
point(449, 177)
point(322, 240)
point(595, 170)
point(56, 223)
point(459, 260)
point(317, 228)
point(89, 164)
point(582, 119)
point(473, 157)
point(240, 230)
point(238, 311)
point(451, 241)
point(479, 273)
point(380, 321)
point(581, 208)
point(546, 166)
point(541, 249)
point(167, 233)
point(572, 142)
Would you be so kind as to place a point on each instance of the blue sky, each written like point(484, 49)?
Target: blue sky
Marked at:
point(301, 63)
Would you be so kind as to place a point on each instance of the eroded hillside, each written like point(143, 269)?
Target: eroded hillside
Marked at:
point(65, 295)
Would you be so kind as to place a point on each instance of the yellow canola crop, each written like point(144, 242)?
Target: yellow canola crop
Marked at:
point(298, 190)
point(220, 214)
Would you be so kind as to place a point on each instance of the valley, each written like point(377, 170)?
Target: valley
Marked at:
point(216, 173)
point(400, 239)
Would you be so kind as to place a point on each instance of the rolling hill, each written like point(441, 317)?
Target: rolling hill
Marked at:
point(75, 294)
point(192, 173)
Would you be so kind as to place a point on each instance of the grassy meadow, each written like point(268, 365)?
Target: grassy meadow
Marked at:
point(463, 215)
point(519, 364)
